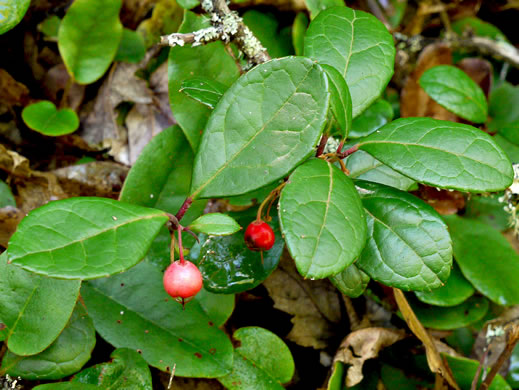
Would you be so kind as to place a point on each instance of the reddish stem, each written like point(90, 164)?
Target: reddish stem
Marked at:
point(185, 206)
point(180, 247)
point(322, 144)
point(346, 153)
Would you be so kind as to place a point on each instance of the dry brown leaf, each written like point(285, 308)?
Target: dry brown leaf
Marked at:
point(436, 363)
point(315, 305)
point(480, 71)
point(55, 82)
point(362, 345)
point(189, 383)
point(9, 218)
point(414, 101)
point(12, 93)
point(444, 202)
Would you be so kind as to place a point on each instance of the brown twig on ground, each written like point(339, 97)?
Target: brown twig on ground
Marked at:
point(227, 26)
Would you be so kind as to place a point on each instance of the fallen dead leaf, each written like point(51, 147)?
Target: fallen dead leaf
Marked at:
point(9, 218)
point(55, 82)
point(362, 345)
point(480, 71)
point(315, 305)
point(12, 93)
point(444, 202)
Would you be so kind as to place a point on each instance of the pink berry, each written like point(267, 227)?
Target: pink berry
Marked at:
point(182, 279)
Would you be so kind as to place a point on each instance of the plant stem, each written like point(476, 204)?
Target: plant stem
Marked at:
point(349, 151)
point(180, 247)
point(322, 145)
point(185, 206)
point(270, 198)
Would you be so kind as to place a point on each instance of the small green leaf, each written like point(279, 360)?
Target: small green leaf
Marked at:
point(50, 27)
point(126, 370)
point(65, 356)
point(452, 317)
point(351, 282)
point(456, 290)
point(46, 119)
point(228, 266)
point(322, 219)
point(89, 37)
point(131, 49)
point(476, 26)
point(408, 244)
point(188, 62)
point(12, 13)
point(268, 122)
point(188, 4)
point(215, 224)
point(261, 361)
point(464, 371)
point(6, 196)
point(441, 154)
point(359, 46)
point(298, 32)
point(375, 116)
point(456, 91)
point(132, 310)
point(265, 27)
point(365, 167)
point(203, 90)
point(316, 6)
point(34, 308)
point(84, 238)
point(340, 99)
point(501, 99)
point(486, 259)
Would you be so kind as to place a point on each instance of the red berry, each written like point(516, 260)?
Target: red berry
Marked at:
point(182, 279)
point(259, 236)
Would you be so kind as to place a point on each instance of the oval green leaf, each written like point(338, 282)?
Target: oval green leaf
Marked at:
point(351, 282)
point(408, 244)
point(486, 259)
point(12, 13)
point(131, 49)
point(464, 371)
point(84, 238)
point(203, 90)
point(266, 123)
point(228, 266)
point(365, 167)
point(322, 219)
point(316, 6)
point(126, 370)
point(88, 38)
point(261, 361)
point(452, 317)
point(44, 118)
point(488, 209)
point(34, 308)
point(188, 62)
point(65, 356)
point(6, 196)
point(501, 99)
point(456, 91)
point(359, 46)
point(375, 116)
point(441, 154)
point(298, 32)
point(340, 99)
point(215, 224)
point(132, 310)
point(476, 26)
point(456, 290)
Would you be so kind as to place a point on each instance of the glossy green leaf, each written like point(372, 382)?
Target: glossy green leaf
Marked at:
point(131, 49)
point(127, 370)
point(88, 38)
point(6, 196)
point(375, 116)
point(486, 259)
point(441, 154)
point(351, 282)
point(188, 62)
point(395, 11)
point(408, 244)
point(359, 46)
point(65, 386)
point(452, 317)
point(45, 118)
point(500, 101)
point(228, 266)
point(261, 361)
point(84, 238)
point(65, 356)
point(340, 99)
point(456, 91)
point(476, 26)
point(34, 308)
point(50, 27)
point(12, 13)
point(511, 149)
point(216, 224)
point(365, 167)
point(132, 310)
point(322, 219)
point(456, 290)
point(254, 197)
point(203, 90)
point(265, 27)
point(298, 33)
point(316, 6)
point(488, 209)
point(266, 123)
point(464, 371)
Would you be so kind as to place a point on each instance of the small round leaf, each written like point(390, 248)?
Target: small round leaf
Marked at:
point(46, 119)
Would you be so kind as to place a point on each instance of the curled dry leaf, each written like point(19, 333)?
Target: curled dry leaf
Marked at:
point(414, 100)
point(362, 345)
point(445, 202)
point(9, 218)
point(315, 305)
point(12, 93)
